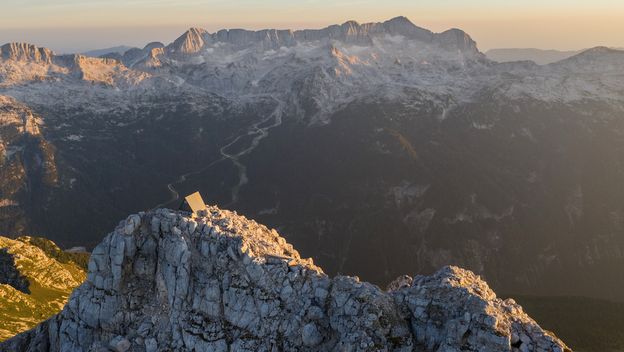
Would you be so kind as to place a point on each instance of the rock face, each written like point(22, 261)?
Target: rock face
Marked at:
point(190, 42)
point(25, 52)
point(27, 163)
point(350, 32)
point(23, 62)
point(165, 281)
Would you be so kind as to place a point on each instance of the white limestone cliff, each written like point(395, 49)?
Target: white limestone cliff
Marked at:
point(166, 281)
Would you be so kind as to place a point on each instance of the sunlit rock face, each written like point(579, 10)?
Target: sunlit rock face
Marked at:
point(164, 280)
point(25, 52)
point(189, 43)
point(36, 279)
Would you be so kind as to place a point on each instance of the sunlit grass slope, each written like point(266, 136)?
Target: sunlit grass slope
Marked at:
point(52, 274)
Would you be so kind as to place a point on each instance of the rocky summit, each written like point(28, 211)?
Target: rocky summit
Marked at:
point(169, 281)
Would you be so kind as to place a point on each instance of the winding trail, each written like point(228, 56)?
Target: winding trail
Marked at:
point(260, 133)
point(255, 129)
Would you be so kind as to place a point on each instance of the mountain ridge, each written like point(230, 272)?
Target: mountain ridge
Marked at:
point(25, 52)
point(350, 32)
point(217, 281)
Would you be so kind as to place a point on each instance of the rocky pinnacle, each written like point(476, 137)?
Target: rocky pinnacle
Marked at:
point(163, 281)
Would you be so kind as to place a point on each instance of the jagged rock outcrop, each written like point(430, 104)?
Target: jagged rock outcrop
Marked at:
point(21, 63)
point(165, 281)
point(190, 42)
point(26, 52)
point(102, 70)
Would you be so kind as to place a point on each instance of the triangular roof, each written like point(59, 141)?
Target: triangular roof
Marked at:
point(193, 203)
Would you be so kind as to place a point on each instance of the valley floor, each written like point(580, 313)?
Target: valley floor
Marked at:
point(586, 325)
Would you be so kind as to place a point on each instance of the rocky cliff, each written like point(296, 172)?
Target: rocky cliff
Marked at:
point(166, 281)
point(350, 32)
point(27, 164)
point(25, 52)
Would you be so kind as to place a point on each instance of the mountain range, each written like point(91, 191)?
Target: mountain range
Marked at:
point(539, 56)
point(378, 149)
point(120, 49)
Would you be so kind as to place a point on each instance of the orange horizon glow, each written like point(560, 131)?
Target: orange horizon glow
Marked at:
point(557, 24)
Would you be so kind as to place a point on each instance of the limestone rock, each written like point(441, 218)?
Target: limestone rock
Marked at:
point(350, 32)
point(190, 42)
point(311, 336)
point(400, 282)
point(120, 344)
point(163, 281)
point(25, 52)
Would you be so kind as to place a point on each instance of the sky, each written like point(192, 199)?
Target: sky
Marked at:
point(80, 25)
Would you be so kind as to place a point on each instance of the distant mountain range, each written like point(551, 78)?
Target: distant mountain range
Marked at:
point(539, 56)
point(378, 148)
point(121, 49)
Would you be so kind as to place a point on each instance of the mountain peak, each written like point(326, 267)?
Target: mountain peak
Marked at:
point(197, 31)
point(456, 39)
point(153, 45)
point(351, 23)
point(401, 20)
point(26, 52)
point(403, 26)
point(165, 280)
point(601, 50)
point(594, 59)
point(192, 41)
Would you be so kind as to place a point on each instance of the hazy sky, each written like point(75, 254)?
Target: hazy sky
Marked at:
point(78, 25)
